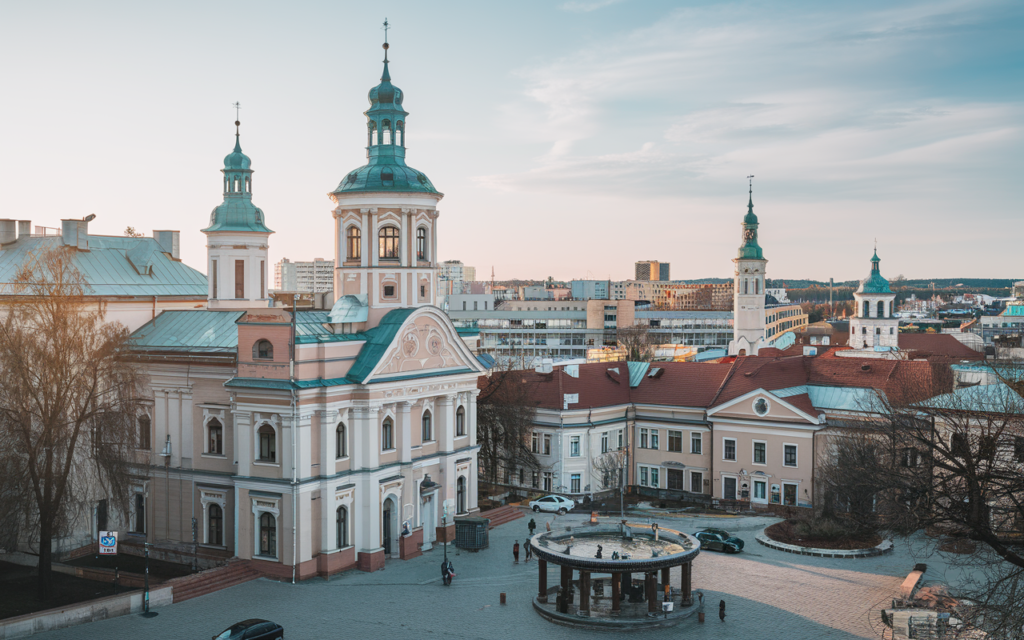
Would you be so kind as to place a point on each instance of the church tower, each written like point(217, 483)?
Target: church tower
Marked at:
point(385, 220)
point(873, 324)
point(237, 240)
point(748, 289)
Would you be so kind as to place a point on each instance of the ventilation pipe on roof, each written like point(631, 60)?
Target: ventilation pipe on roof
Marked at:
point(170, 242)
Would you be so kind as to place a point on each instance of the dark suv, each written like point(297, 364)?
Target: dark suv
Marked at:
point(253, 629)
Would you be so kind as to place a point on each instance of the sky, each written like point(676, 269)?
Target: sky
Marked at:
point(570, 138)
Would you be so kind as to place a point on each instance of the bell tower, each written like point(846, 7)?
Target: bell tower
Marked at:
point(385, 219)
point(748, 288)
point(237, 240)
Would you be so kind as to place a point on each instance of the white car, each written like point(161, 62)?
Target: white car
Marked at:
point(556, 504)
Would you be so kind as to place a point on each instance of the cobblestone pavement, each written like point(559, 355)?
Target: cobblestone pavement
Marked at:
point(769, 595)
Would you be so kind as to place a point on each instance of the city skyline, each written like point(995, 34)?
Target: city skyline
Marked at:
point(571, 141)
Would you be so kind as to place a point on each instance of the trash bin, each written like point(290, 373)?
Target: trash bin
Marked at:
point(471, 533)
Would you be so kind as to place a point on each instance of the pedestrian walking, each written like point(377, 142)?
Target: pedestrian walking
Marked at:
point(532, 526)
point(529, 551)
point(515, 551)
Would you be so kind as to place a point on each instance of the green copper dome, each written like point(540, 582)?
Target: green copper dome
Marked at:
point(237, 212)
point(750, 250)
point(874, 283)
point(385, 169)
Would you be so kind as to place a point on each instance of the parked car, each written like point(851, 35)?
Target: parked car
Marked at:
point(252, 629)
point(719, 540)
point(555, 504)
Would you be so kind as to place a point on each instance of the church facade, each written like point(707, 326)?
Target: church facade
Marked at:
point(312, 442)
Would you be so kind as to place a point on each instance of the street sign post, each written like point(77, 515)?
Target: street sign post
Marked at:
point(108, 543)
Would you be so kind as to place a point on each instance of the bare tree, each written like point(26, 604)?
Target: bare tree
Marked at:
point(638, 342)
point(68, 405)
point(505, 413)
point(948, 459)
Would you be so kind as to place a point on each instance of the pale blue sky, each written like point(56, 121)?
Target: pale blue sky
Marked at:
point(570, 139)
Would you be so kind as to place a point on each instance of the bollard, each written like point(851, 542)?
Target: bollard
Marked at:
point(502, 597)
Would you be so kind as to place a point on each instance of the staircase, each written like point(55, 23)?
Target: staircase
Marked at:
point(501, 515)
point(211, 580)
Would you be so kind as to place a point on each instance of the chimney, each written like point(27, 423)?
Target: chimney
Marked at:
point(8, 231)
point(169, 241)
point(24, 228)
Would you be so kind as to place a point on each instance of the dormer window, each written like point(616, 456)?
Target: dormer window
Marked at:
point(263, 350)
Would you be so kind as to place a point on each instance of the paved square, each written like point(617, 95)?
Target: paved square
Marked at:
point(769, 595)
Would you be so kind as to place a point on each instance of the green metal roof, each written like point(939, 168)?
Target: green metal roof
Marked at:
point(380, 338)
point(199, 330)
point(114, 266)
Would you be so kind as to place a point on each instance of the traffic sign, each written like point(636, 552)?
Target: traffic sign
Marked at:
point(108, 543)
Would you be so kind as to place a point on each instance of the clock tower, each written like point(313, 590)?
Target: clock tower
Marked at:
point(748, 289)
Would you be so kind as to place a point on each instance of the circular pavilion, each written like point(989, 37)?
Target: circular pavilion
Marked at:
point(625, 574)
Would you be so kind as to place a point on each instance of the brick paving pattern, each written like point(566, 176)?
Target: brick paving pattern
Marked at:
point(769, 595)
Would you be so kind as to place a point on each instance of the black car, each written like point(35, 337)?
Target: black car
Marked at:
point(253, 629)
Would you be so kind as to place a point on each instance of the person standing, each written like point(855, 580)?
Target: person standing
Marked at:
point(515, 552)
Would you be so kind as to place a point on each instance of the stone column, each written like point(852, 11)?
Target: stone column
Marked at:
point(651, 588)
point(616, 593)
point(584, 593)
point(666, 584)
point(686, 569)
point(542, 580)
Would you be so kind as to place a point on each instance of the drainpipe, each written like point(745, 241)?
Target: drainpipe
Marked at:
point(295, 465)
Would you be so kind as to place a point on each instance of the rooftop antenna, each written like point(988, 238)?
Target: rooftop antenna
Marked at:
point(238, 107)
point(385, 28)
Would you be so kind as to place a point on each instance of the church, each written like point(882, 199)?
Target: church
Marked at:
point(312, 442)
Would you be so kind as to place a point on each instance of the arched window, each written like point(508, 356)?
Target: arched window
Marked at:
point(388, 241)
point(342, 525)
point(387, 435)
point(881, 309)
point(355, 243)
point(421, 243)
point(268, 535)
point(215, 441)
point(427, 431)
point(263, 350)
point(215, 525)
point(268, 443)
point(460, 422)
point(340, 446)
point(144, 423)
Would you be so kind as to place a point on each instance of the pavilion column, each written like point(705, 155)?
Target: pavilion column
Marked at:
point(686, 569)
point(616, 593)
point(651, 589)
point(665, 584)
point(584, 592)
point(542, 580)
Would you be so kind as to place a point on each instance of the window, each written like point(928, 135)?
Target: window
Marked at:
point(263, 350)
point(574, 447)
point(387, 435)
point(460, 422)
point(574, 483)
point(355, 243)
point(695, 442)
point(268, 535)
point(421, 244)
point(643, 476)
point(213, 274)
point(215, 439)
point(389, 291)
point(428, 433)
point(789, 455)
point(547, 444)
point(140, 514)
point(388, 241)
point(696, 482)
point(654, 477)
point(239, 279)
point(643, 438)
point(760, 452)
point(728, 449)
point(268, 443)
point(144, 424)
point(215, 525)
point(910, 457)
point(340, 443)
point(341, 523)
point(675, 441)
point(535, 442)
point(604, 442)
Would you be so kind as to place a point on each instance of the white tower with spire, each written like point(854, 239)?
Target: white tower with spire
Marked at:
point(237, 240)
